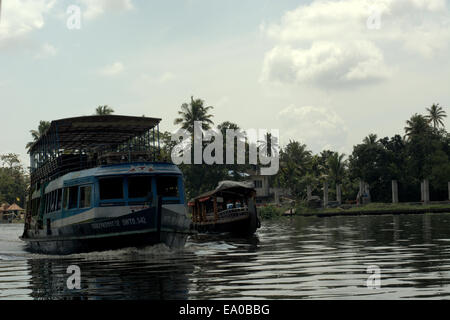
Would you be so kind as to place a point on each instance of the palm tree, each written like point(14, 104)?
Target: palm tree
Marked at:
point(269, 145)
point(370, 139)
point(417, 125)
point(295, 160)
point(194, 111)
point(297, 154)
point(36, 134)
point(436, 115)
point(224, 126)
point(104, 110)
point(336, 166)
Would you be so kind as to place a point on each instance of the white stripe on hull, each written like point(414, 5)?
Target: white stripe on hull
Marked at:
point(110, 212)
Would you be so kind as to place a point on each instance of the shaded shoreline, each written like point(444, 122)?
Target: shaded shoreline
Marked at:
point(272, 211)
point(375, 212)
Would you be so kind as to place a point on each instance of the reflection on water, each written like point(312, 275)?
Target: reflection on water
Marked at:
point(298, 258)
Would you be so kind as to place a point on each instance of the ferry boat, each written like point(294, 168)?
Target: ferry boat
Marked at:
point(97, 184)
point(229, 208)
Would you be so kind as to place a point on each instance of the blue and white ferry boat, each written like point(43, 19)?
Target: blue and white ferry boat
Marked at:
point(97, 184)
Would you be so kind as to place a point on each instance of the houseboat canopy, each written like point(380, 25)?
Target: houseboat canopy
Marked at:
point(79, 143)
point(243, 188)
point(91, 131)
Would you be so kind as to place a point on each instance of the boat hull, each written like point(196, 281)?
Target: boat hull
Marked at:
point(243, 226)
point(138, 229)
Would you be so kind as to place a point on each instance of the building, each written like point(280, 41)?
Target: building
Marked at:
point(10, 212)
point(264, 191)
point(15, 212)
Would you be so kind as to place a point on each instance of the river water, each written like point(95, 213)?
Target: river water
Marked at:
point(291, 258)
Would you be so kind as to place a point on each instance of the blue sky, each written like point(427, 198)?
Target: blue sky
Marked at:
point(312, 69)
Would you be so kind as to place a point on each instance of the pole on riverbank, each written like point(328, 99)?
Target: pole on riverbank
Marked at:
point(421, 191)
point(426, 191)
point(309, 192)
point(325, 194)
point(394, 191)
point(339, 193)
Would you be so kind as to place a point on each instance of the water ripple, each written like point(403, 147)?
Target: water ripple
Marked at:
point(299, 258)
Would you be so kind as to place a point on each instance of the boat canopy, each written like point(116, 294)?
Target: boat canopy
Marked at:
point(92, 131)
point(237, 187)
point(79, 143)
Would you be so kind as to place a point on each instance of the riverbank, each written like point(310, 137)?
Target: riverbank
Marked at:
point(272, 211)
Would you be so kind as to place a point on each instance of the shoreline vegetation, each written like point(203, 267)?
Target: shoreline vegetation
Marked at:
point(421, 154)
point(274, 212)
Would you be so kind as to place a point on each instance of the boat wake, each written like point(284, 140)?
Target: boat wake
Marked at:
point(208, 248)
point(159, 250)
point(10, 257)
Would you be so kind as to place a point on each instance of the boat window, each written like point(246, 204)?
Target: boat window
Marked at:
point(58, 204)
point(46, 208)
point(111, 188)
point(85, 197)
point(167, 186)
point(66, 197)
point(35, 206)
point(55, 200)
point(49, 202)
point(48, 205)
point(73, 197)
point(139, 187)
point(52, 201)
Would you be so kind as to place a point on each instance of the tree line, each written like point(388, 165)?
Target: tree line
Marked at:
point(422, 151)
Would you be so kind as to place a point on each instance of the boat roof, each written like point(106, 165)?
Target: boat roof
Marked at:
point(14, 207)
point(88, 131)
point(245, 187)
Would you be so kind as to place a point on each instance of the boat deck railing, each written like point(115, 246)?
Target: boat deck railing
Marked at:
point(65, 163)
point(228, 214)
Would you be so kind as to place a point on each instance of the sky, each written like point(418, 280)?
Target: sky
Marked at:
point(325, 73)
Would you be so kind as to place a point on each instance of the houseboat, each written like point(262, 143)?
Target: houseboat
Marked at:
point(229, 208)
point(97, 183)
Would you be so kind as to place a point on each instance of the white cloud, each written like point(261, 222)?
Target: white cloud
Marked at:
point(318, 127)
point(46, 51)
point(326, 64)
point(329, 44)
point(19, 17)
point(95, 8)
point(113, 69)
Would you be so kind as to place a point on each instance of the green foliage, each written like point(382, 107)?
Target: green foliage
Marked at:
point(270, 212)
point(436, 115)
point(423, 153)
point(36, 134)
point(13, 180)
point(104, 110)
point(194, 111)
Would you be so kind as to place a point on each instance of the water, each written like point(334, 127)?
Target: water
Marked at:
point(298, 258)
